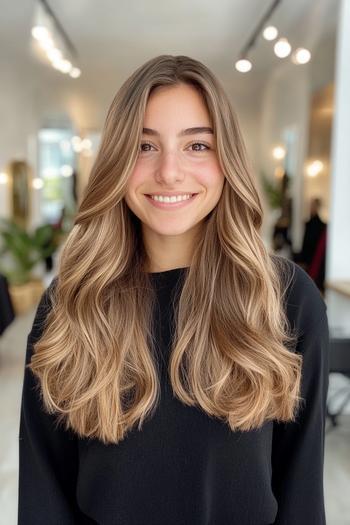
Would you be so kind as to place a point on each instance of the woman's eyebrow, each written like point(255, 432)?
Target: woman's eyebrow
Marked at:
point(183, 132)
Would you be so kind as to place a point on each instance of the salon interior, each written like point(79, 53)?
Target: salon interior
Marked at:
point(284, 65)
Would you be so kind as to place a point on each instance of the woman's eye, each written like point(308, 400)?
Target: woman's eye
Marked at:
point(199, 144)
point(148, 146)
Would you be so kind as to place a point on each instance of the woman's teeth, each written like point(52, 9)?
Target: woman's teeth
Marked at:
point(174, 198)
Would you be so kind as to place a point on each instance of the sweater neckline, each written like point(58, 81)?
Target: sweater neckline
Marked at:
point(170, 272)
point(167, 279)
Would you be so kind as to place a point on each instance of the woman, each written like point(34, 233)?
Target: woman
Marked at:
point(178, 371)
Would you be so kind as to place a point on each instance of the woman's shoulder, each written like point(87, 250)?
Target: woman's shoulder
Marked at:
point(46, 298)
point(304, 303)
point(43, 307)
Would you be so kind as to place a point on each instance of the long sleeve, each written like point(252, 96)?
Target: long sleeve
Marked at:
point(48, 455)
point(298, 447)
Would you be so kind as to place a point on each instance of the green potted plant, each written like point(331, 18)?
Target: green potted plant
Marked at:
point(24, 251)
point(273, 191)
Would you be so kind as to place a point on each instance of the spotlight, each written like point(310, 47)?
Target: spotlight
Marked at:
point(4, 178)
point(282, 48)
point(66, 170)
point(279, 152)
point(270, 33)
point(314, 168)
point(301, 56)
point(75, 73)
point(86, 144)
point(243, 65)
point(40, 32)
point(37, 183)
point(66, 66)
point(54, 54)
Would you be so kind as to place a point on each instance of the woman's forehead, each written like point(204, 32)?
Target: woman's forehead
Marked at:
point(177, 107)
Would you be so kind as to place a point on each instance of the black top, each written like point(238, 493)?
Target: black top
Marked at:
point(183, 468)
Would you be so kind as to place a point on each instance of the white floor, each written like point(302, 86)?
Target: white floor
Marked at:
point(12, 353)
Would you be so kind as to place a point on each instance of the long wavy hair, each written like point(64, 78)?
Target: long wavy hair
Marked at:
point(233, 349)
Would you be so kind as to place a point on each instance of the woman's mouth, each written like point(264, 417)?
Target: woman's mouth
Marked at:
point(171, 205)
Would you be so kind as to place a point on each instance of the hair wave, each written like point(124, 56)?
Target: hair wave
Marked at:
point(232, 352)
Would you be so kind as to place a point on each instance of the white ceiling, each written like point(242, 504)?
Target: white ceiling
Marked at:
point(113, 37)
point(120, 35)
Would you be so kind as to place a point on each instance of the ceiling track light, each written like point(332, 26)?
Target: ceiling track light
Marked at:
point(251, 42)
point(282, 47)
point(54, 41)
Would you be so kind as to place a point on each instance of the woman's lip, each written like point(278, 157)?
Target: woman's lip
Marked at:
point(171, 205)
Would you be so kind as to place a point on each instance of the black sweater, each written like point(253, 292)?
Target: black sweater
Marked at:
point(183, 468)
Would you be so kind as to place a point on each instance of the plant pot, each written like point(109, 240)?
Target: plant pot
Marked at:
point(26, 296)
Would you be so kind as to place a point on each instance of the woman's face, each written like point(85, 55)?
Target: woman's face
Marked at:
point(173, 160)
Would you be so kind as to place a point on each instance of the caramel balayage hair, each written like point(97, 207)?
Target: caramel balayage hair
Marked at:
point(232, 352)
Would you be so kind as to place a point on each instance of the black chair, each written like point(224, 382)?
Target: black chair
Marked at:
point(339, 363)
point(7, 313)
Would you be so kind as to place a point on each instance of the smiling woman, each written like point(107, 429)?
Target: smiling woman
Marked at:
point(176, 371)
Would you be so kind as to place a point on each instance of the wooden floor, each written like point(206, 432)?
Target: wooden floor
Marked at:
point(12, 352)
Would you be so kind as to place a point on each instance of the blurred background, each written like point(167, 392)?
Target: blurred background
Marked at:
point(285, 67)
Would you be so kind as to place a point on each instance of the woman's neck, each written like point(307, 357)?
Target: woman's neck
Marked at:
point(169, 252)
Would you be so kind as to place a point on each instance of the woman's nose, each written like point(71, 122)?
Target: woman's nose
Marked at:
point(169, 167)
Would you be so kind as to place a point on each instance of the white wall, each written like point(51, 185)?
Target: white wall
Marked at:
point(338, 263)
